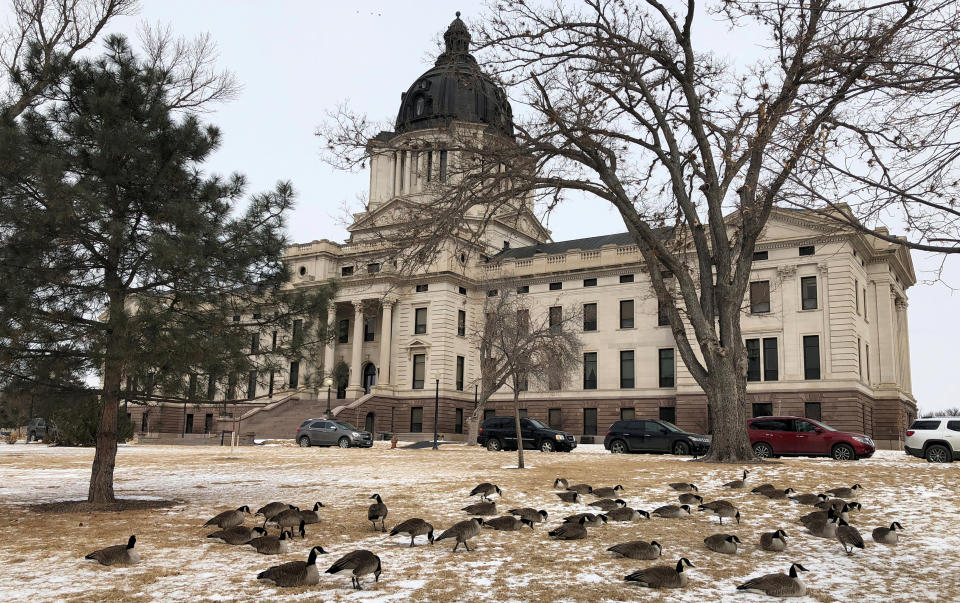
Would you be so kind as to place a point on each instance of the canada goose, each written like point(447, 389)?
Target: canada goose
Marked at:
point(414, 527)
point(715, 504)
point(571, 530)
point(486, 490)
point(580, 489)
point(290, 518)
point(638, 549)
point(690, 499)
point(593, 521)
point(607, 492)
point(481, 508)
point(850, 492)
point(463, 531)
point(809, 499)
point(825, 527)
point(738, 483)
point(682, 487)
point(722, 543)
point(532, 514)
point(779, 494)
point(560, 483)
point(228, 519)
point(887, 535)
point(294, 573)
point(360, 563)
point(763, 489)
point(270, 509)
point(377, 512)
point(842, 513)
point(272, 545)
point(722, 508)
point(606, 504)
point(777, 585)
point(661, 576)
point(237, 534)
point(508, 523)
point(118, 554)
point(626, 514)
point(570, 497)
point(671, 511)
point(838, 503)
point(774, 541)
point(311, 516)
point(849, 537)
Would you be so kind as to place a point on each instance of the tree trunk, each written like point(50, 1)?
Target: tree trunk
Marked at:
point(516, 414)
point(104, 460)
point(473, 423)
point(727, 399)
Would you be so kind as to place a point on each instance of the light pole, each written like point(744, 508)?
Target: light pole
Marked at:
point(436, 410)
point(328, 382)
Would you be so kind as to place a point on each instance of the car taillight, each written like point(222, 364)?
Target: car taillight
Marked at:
point(609, 432)
point(910, 432)
point(298, 430)
point(479, 431)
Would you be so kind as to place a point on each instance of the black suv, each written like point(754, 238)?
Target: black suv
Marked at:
point(651, 435)
point(500, 433)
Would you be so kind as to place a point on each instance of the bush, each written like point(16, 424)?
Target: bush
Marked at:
point(77, 424)
point(13, 436)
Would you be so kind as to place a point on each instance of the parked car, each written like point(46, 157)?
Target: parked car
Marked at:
point(38, 429)
point(327, 432)
point(799, 436)
point(653, 435)
point(500, 433)
point(936, 439)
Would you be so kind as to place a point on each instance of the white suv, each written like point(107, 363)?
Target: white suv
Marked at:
point(936, 439)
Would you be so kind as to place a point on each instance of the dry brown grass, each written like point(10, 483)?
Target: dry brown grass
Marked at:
point(43, 554)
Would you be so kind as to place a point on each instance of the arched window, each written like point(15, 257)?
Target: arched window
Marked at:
point(418, 107)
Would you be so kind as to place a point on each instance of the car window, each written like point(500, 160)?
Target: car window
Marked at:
point(769, 425)
point(670, 426)
point(317, 425)
point(953, 425)
point(804, 426)
point(535, 424)
point(619, 426)
point(925, 425)
point(652, 427)
point(346, 425)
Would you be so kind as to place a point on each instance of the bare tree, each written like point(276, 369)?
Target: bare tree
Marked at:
point(850, 114)
point(944, 412)
point(41, 40)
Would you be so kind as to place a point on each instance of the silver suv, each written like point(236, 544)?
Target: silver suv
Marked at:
point(327, 432)
point(936, 439)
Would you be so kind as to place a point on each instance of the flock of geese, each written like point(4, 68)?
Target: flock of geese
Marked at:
point(829, 521)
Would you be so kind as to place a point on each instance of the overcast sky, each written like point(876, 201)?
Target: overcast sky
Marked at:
point(297, 60)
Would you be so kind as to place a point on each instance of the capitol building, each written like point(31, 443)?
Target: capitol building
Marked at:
point(825, 319)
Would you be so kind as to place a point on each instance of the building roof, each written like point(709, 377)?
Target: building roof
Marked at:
point(620, 238)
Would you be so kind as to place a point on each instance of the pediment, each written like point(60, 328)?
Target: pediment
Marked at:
point(789, 225)
point(391, 212)
point(417, 343)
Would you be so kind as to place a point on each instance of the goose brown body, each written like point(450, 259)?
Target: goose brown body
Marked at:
point(119, 554)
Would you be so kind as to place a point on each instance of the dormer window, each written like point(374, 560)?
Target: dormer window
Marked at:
point(418, 107)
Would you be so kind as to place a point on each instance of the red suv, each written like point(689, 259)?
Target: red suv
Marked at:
point(797, 436)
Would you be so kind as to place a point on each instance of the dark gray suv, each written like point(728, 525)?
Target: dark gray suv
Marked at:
point(328, 432)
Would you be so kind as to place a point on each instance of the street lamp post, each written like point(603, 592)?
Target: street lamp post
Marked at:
point(328, 382)
point(436, 410)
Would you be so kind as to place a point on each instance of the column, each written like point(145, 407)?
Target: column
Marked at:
point(886, 334)
point(903, 340)
point(356, 357)
point(386, 341)
point(328, 351)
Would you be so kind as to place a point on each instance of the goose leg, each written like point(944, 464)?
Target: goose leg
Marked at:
point(411, 542)
point(466, 544)
point(383, 524)
point(455, 546)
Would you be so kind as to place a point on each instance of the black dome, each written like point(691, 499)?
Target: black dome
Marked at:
point(455, 89)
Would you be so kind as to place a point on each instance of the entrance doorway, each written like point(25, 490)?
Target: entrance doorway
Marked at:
point(369, 377)
point(369, 422)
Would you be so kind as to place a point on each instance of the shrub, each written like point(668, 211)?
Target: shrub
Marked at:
point(77, 423)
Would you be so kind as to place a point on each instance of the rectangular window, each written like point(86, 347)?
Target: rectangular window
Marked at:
point(208, 423)
point(590, 370)
point(589, 317)
point(760, 297)
point(522, 412)
point(753, 359)
point(771, 362)
point(626, 278)
point(419, 370)
point(556, 286)
point(273, 341)
point(662, 319)
point(627, 414)
point(867, 347)
point(489, 413)
point(807, 250)
point(343, 331)
point(554, 418)
point(523, 289)
point(422, 288)
point(462, 290)
point(491, 292)
point(626, 369)
point(811, 356)
point(143, 422)
point(760, 255)
point(294, 374)
point(589, 282)
point(556, 316)
point(443, 166)
point(859, 359)
point(346, 271)
point(668, 413)
point(420, 321)
point(762, 409)
point(667, 377)
point(460, 369)
point(297, 329)
point(188, 428)
point(373, 268)
point(856, 294)
point(864, 303)
point(461, 323)
point(429, 166)
point(236, 318)
point(808, 292)
point(273, 376)
point(416, 419)
point(589, 421)
point(255, 343)
point(369, 327)
point(252, 385)
point(458, 421)
point(626, 313)
point(811, 410)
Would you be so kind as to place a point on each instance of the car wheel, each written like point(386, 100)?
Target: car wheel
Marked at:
point(547, 446)
point(843, 452)
point(937, 454)
point(681, 448)
point(763, 450)
point(343, 442)
point(304, 442)
point(618, 447)
point(494, 445)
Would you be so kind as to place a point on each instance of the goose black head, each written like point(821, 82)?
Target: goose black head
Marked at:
point(378, 571)
point(542, 513)
point(589, 489)
point(559, 483)
point(737, 517)
point(856, 487)
point(831, 514)
point(312, 558)
point(795, 567)
point(525, 521)
point(698, 498)
point(683, 561)
point(131, 541)
point(893, 526)
point(686, 508)
point(733, 538)
point(658, 545)
point(855, 505)
point(645, 514)
point(244, 509)
point(284, 534)
point(260, 531)
point(822, 497)
point(618, 488)
point(745, 472)
point(583, 520)
point(842, 522)
point(430, 536)
point(603, 518)
point(317, 505)
point(576, 497)
point(479, 521)
point(294, 508)
point(780, 534)
point(620, 502)
point(377, 498)
point(789, 491)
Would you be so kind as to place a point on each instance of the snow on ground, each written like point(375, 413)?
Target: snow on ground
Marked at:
point(42, 555)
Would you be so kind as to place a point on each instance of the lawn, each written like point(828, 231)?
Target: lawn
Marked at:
point(43, 554)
